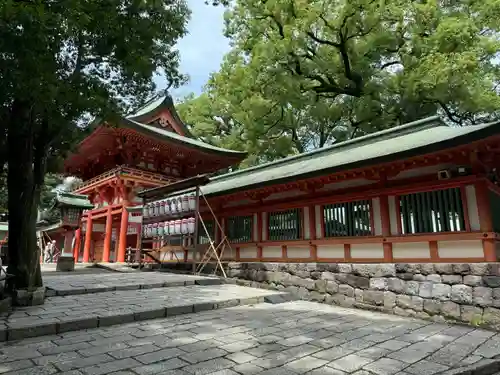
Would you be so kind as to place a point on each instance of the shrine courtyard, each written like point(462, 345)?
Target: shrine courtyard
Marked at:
point(142, 323)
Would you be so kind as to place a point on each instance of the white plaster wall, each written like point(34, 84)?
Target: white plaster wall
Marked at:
point(307, 232)
point(377, 220)
point(298, 252)
point(460, 249)
point(134, 219)
point(132, 229)
point(367, 251)
point(406, 250)
point(164, 256)
point(248, 252)
point(229, 253)
point(393, 215)
point(98, 227)
point(317, 214)
point(255, 228)
point(470, 193)
point(271, 252)
point(330, 251)
point(264, 226)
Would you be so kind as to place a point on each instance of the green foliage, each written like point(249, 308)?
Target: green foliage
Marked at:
point(47, 196)
point(303, 74)
point(3, 194)
point(62, 63)
point(74, 58)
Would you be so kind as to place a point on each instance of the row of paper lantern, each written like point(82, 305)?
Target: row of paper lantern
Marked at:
point(168, 228)
point(184, 203)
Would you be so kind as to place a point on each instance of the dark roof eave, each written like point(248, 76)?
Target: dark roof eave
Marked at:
point(168, 104)
point(449, 143)
point(165, 190)
point(236, 155)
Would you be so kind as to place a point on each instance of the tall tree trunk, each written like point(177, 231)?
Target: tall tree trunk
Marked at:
point(23, 198)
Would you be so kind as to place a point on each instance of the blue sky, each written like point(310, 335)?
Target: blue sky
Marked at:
point(202, 49)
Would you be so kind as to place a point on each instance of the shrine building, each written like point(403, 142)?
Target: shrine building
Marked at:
point(151, 147)
point(421, 192)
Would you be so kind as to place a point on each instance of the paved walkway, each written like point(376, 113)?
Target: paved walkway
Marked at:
point(71, 283)
point(288, 338)
point(73, 312)
point(258, 338)
point(80, 268)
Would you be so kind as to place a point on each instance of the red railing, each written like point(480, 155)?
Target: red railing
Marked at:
point(124, 170)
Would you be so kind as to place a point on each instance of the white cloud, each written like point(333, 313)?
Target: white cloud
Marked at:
point(202, 49)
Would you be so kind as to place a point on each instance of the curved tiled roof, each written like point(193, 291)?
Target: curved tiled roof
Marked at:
point(413, 139)
point(156, 132)
point(155, 106)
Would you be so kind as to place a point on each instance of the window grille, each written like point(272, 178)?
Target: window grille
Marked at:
point(239, 228)
point(432, 212)
point(202, 236)
point(285, 225)
point(348, 219)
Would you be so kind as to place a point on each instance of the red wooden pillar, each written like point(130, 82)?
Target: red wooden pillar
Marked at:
point(76, 248)
point(107, 238)
point(385, 218)
point(88, 239)
point(122, 247)
point(485, 219)
point(259, 234)
point(312, 233)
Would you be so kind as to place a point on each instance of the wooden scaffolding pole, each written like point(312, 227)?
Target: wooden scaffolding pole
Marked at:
point(212, 251)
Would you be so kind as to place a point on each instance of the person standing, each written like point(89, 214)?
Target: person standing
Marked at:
point(48, 252)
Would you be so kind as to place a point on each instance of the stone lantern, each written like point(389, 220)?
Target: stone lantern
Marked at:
point(71, 207)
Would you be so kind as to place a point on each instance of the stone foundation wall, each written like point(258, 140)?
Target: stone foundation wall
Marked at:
point(467, 293)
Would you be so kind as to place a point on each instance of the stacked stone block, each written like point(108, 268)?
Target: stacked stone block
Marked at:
point(467, 293)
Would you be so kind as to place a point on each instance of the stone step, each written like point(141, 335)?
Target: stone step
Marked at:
point(78, 312)
point(105, 282)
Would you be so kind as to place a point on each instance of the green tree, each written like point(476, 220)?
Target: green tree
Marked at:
point(64, 62)
point(304, 74)
point(3, 194)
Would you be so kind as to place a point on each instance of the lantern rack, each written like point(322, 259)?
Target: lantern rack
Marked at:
point(171, 221)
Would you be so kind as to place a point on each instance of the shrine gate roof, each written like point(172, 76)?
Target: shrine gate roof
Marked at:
point(413, 139)
point(160, 134)
point(158, 127)
point(154, 107)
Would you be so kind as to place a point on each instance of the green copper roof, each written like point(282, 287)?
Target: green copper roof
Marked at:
point(64, 198)
point(154, 107)
point(156, 132)
point(413, 139)
point(148, 107)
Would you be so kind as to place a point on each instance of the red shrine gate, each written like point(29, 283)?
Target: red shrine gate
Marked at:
point(149, 148)
point(420, 192)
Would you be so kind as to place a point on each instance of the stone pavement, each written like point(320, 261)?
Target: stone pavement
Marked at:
point(80, 311)
point(288, 338)
point(80, 268)
point(70, 283)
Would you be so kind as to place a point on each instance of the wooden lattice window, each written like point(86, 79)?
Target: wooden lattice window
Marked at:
point(285, 225)
point(348, 219)
point(239, 228)
point(432, 212)
point(494, 199)
point(202, 235)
